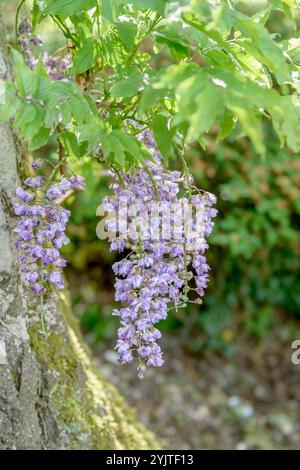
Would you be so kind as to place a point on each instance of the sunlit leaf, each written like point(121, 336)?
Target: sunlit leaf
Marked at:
point(68, 7)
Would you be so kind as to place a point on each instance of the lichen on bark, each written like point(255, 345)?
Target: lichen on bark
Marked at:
point(92, 412)
point(51, 395)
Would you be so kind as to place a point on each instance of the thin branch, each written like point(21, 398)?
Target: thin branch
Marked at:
point(17, 21)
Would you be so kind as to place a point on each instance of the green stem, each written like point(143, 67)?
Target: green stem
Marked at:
point(17, 21)
point(136, 48)
point(44, 329)
point(140, 245)
point(185, 169)
point(186, 283)
point(65, 29)
point(128, 110)
point(152, 181)
point(98, 21)
point(118, 175)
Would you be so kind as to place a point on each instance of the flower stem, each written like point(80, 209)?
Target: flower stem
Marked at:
point(185, 168)
point(17, 21)
point(44, 329)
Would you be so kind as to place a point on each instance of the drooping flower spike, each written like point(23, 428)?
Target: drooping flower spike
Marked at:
point(159, 272)
point(55, 66)
point(41, 230)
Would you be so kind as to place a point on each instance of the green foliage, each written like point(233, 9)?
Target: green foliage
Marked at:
point(68, 7)
point(163, 136)
point(84, 58)
point(228, 71)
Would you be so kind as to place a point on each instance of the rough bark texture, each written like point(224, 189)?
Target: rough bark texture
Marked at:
point(51, 396)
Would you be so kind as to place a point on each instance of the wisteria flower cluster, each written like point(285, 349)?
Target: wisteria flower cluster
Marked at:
point(157, 274)
point(56, 65)
point(41, 229)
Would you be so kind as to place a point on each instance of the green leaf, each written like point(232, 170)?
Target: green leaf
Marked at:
point(131, 86)
point(186, 93)
point(251, 123)
point(172, 76)
point(285, 5)
point(44, 89)
point(264, 48)
point(127, 30)
point(32, 128)
point(70, 144)
point(85, 58)
point(9, 102)
point(26, 80)
point(68, 7)
point(163, 136)
point(293, 49)
point(177, 43)
point(66, 113)
point(91, 133)
point(44, 83)
point(113, 147)
point(36, 14)
point(223, 19)
point(201, 9)
point(131, 145)
point(25, 115)
point(291, 123)
point(51, 118)
point(61, 91)
point(227, 125)
point(80, 109)
point(262, 16)
point(155, 5)
point(40, 68)
point(40, 139)
point(209, 102)
point(150, 97)
point(111, 10)
point(251, 66)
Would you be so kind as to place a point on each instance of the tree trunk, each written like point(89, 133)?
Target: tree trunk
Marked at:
point(51, 396)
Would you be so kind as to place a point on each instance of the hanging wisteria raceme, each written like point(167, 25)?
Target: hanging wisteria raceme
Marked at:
point(41, 229)
point(55, 65)
point(162, 269)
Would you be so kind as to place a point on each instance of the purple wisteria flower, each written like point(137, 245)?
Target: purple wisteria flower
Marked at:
point(41, 230)
point(35, 182)
point(55, 65)
point(160, 269)
point(36, 165)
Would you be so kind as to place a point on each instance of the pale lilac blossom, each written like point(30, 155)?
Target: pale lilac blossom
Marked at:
point(157, 273)
point(41, 230)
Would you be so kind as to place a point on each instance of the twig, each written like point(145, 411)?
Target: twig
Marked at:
point(185, 168)
point(62, 199)
point(17, 21)
point(149, 30)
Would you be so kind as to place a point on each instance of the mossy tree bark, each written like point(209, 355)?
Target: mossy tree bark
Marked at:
point(51, 396)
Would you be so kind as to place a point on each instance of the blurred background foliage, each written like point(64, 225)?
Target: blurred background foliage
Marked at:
point(254, 254)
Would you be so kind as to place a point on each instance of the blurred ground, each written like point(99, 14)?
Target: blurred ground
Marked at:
point(248, 402)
